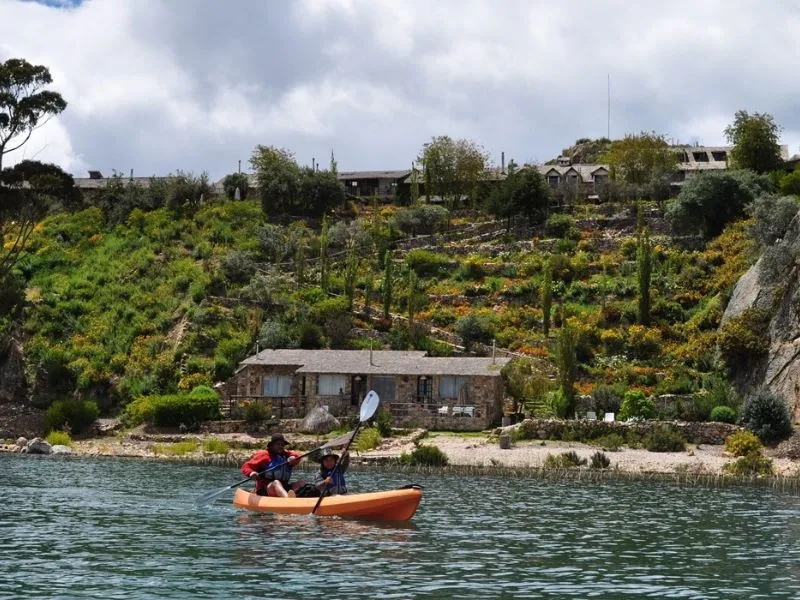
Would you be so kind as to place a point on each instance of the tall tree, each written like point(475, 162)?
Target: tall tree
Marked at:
point(566, 354)
point(547, 297)
point(414, 185)
point(351, 272)
point(334, 165)
point(27, 190)
point(388, 284)
point(413, 291)
point(453, 167)
point(277, 177)
point(756, 142)
point(24, 103)
point(323, 255)
point(644, 259)
point(643, 161)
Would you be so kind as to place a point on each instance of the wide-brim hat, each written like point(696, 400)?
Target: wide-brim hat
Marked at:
point(326, 453)
point(277, 437)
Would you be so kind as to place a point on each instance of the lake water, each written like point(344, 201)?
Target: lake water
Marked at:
point(104, 528)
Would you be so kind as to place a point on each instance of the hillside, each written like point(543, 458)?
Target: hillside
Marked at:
point(165, 301)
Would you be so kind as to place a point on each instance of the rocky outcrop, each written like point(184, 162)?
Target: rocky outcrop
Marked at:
point(38, 446)
point(319, 420)
point(12, 374)
point(779, 370)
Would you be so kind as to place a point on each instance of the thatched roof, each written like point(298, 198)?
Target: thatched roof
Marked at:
point(384, 362)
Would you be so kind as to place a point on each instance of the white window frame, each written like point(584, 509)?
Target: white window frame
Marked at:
point(330, 385)
point(276, 386)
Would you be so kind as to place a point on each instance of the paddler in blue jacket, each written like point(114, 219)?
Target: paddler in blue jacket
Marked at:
point(328, 481)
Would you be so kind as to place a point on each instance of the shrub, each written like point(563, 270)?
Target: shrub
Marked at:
point(664, 439)
point(471, 269)
point(473, 328)
point(426, 263)
point(600, 461)
point(607, 398)
point(238, 267)
point(368, 439)
point(635, 405)
point(742, 337)
point(561, 225)
point(59, 438)
point(425, 455)
point(766, 415)
point(565, 460)
point(610, 442)
point(742, 443)
point(75, 415)
point(175, 449)
point(256, 413)
point(216, 447)
point(723, 414)
point(754, 463)
point(711, 200)
point(383, 423)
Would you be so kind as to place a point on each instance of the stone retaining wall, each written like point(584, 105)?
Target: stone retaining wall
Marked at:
point(543, 429)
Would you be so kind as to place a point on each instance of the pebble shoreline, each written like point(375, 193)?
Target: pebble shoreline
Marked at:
point(461, 451)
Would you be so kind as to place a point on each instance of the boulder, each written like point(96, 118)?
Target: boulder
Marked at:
point(779, 369)
point(60, 449)
point(319, 420)
point(38, 446)
point(22, 442)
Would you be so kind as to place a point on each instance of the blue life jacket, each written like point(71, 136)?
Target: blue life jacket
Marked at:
point(337, 485)
point(281, 473)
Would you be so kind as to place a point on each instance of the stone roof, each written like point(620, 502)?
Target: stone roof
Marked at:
point(89, 183)
point(384, 362)
point(373, 174)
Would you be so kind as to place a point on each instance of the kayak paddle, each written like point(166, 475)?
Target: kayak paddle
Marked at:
point(368, 408)
point(339, 441)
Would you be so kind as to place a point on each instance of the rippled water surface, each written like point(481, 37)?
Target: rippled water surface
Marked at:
point(74, 528)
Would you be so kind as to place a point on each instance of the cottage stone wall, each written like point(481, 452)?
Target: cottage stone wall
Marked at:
point(696, 433)
point(485, 396)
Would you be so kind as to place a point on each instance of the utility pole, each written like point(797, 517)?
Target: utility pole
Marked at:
point(240, 165)
point(608, 132)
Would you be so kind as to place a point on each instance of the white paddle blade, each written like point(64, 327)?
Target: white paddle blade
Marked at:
point(369, 406)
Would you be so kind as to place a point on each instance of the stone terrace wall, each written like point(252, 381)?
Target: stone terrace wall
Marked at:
point(696, 433)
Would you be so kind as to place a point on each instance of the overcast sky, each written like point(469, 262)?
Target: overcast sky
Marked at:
point(161, 85)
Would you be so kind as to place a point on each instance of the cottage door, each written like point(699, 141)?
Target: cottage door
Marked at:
point(358, 389)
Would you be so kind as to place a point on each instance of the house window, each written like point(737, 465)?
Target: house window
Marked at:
point(276, 386)
point(424, 388)
point(330, 385)
point(384, 387)
point(454, 388)
point(553, 180)
point(700, 156)
point(720, 156)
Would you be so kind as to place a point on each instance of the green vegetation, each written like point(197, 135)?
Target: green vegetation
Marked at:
point(175, 449)
point(133, 296)
point(425, 455)
point(75, 416)
point(754, 463)
point(742, 443)
point(600, 461)
point(766, 415)
point(565, 460)
point(664, 439)
point(216, 447)
point(59, 438)
point(368, 439)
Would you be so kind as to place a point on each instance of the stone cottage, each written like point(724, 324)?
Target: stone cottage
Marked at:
point(418, 390)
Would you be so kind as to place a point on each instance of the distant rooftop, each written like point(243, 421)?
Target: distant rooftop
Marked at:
point(384, 362)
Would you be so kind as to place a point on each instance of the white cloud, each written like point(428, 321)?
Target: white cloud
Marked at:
point(158, 85)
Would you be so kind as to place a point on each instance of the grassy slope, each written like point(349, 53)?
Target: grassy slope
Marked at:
point(120, 313)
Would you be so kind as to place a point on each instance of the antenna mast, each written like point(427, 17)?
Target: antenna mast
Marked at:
point(608, 132)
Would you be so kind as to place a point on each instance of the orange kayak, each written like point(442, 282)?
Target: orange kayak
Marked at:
point(395, 505)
